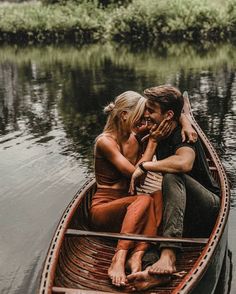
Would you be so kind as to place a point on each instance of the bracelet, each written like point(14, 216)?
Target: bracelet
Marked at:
point(142, 167)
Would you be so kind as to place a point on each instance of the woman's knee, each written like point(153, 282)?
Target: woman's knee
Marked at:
point(145, 201)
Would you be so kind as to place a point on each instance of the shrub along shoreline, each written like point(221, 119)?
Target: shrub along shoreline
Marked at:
point(149, 21)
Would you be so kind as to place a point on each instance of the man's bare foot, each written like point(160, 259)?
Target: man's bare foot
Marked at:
point(116, 271)
point(134, 263)
point(142, 281)
point(166, 263)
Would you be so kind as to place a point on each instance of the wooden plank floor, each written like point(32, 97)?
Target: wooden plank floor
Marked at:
point(83, 264)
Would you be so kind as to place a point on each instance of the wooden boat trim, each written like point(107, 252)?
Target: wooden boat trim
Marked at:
point(191, 279)
point(134, 237)
point(75, 291)
point(48, 273)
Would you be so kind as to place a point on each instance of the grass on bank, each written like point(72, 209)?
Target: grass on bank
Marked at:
point(146, 20)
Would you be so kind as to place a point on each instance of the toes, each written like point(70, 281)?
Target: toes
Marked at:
point(119, 281)
point(131, 278)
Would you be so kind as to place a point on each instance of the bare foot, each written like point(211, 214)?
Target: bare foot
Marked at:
point(134, 263)
point(116, 271)
point(142, 281)
point(166, 263)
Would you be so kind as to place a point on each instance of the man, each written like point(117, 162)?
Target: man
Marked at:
point(190, 195)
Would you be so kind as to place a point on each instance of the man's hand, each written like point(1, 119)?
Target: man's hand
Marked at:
point(136, 174)
point(188, 134)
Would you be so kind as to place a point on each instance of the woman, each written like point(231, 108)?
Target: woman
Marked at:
point(113, 208)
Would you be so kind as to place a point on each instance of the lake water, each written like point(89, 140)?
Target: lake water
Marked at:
point(51, 101)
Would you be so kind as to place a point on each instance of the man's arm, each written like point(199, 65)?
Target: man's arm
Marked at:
point(181, 162)
point(188, 133)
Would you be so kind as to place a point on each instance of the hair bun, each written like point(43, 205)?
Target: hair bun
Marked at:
point(107, 109)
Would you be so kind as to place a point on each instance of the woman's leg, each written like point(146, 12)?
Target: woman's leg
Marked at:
point(141, 218)
point(109, 217)
point(158, 203)
point(135, 214)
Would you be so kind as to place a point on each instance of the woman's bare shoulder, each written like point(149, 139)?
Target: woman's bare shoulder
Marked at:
point(106, 142)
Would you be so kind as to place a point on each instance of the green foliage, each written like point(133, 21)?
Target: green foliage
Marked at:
point(39, 23)
point(103, 3)
point(126, 20)
point(175, 19)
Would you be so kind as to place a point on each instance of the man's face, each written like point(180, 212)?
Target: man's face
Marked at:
point(153, 112)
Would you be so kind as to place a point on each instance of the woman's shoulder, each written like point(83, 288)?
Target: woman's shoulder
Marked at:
point(104, 141)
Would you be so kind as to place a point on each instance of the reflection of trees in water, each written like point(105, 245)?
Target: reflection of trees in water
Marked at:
point(47, 86)
point(8, 96)
point(26, 101)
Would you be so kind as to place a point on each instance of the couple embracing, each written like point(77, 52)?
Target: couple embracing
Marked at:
point(188, 194)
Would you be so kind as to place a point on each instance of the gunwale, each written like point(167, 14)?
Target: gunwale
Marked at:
point(192, 278)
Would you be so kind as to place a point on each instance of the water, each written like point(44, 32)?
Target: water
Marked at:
point(50, 112)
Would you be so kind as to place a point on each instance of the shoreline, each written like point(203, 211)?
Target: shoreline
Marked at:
point(140, 22)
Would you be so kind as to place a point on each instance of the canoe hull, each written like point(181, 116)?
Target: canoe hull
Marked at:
point(208, 283)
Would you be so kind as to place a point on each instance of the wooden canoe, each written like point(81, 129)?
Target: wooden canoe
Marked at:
point(78, 259)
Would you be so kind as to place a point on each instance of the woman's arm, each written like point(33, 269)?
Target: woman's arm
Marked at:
point(156, 134)
point(109, 148)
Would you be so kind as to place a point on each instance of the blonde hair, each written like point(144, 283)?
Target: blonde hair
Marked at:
point(131, 102)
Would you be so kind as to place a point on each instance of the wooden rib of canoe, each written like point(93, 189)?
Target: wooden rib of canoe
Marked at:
point(78, 259)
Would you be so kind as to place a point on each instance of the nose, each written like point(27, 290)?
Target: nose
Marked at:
point(146, 113)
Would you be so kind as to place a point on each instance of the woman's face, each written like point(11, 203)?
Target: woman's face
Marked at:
point(142, 126)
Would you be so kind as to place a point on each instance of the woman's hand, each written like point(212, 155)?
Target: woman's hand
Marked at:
point(158, 133)
point(141, 127)
point(136, 174)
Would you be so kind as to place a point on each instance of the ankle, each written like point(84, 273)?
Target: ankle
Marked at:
point(137, 254)
point(169, 253)
point(120, 256)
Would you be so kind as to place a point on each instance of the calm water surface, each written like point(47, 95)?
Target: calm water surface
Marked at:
point(50, 112)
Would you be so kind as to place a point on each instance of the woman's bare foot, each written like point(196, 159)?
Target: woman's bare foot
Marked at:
point(142, 281)
point(166, 263)
point(134, 263)
point(116, 271)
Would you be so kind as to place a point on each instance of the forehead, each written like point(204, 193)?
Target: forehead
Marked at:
point(152, 105)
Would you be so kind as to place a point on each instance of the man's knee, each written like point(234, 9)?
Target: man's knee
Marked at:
point(170, 178)
point(173, 181)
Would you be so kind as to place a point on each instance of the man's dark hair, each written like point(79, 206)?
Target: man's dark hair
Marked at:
point(169, 98)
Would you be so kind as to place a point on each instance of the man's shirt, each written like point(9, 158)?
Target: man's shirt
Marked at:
point(200, 171)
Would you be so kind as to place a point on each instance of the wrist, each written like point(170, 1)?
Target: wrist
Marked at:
point(142, 167)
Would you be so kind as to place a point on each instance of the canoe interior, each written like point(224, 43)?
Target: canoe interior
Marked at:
point(83, 261)
point(79, 264)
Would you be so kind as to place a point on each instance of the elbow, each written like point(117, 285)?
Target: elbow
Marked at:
point(186, 167)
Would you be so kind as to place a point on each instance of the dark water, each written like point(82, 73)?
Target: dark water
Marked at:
point(50, 113)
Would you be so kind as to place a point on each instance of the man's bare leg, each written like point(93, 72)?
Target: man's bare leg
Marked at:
point(116, 270)
point(142, 281)
point(166, 263)
point(134, 263)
